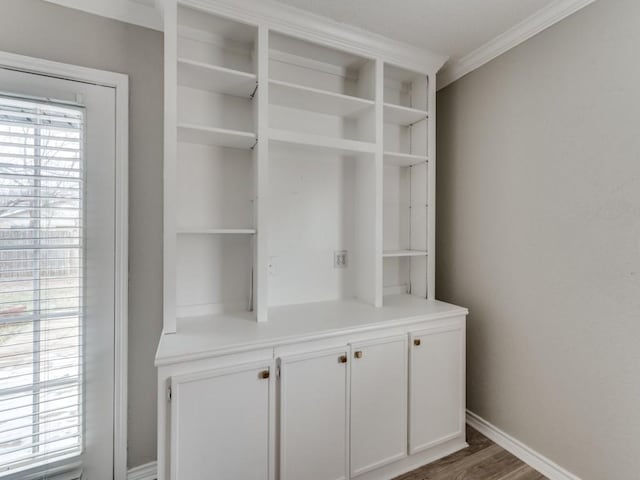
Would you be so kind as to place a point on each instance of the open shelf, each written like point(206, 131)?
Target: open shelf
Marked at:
point(320, 67)
point(405, 116)
point(403, 159)
point(321, 101)
point(404, 253)
point(405, 88)
point(216, 231)
point(215, 40)
point(204, 76)
point(320, 141)
point(215, 136)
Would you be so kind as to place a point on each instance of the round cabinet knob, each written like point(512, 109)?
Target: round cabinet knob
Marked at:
point(264, 374)
point(342, 359)
point(417, 342)
point(358, 354)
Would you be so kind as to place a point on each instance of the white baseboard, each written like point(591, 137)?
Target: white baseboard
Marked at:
point(529, 456)
point(148, 471)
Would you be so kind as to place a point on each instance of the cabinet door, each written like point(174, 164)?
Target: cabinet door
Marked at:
point(378, 403)
point(220, 424)
point(314, 416)
point(436, 387)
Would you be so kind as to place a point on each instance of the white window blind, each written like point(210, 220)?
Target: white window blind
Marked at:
point(41, 283)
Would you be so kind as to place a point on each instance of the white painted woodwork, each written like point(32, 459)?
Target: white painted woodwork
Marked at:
point(221, 423)
point(378, 403)
point(215, 335)
point(261, 180)
point(314, 416)
point(170, 168)
point(407, 134)
point(326, 410)
point(404, 253)
point(403, 159)
point(203, 76)
point(287, 141)
point(300, 97)
point(217, 231)
point(404, 116)
point(322, 142)
point(308, 144)
point(213, 136)
point(436, 384)
point(214, 40)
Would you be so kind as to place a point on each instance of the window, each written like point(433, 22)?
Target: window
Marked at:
point(41, 282)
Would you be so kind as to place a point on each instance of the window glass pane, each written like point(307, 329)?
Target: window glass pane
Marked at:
point(41, 282)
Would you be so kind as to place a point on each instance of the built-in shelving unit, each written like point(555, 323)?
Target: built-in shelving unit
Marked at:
point(299, 240)
point(283, 154)
point(210, 165)
point(406, 182)
point(322, 135)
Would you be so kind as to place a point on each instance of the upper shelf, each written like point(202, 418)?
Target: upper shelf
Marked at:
point(405, 116)
point(320, 141)
point(404, 253)
point(403, 159)
point(215, 136)
point(213, 78)
point(321, 101)
point(217, 231)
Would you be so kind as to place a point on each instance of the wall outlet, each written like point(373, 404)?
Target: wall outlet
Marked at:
point(340, 259)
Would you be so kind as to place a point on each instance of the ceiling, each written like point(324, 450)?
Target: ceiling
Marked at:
point(451, 27)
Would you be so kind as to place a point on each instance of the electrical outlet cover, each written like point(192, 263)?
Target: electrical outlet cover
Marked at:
point(340, 259)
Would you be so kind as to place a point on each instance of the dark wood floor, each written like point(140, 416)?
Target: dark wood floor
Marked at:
point(483, 460)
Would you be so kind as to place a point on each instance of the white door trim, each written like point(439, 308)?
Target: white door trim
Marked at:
point(120, 83)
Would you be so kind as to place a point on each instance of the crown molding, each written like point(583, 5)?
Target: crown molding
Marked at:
point(316, 28)
point(284, 18)
point(137, 12)
point(536, 23)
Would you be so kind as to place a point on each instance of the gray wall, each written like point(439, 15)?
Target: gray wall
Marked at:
point(539, 235)
point(39, 29)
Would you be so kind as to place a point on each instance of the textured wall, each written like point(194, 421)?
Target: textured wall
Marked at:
point(539, 235)
point(39, 29)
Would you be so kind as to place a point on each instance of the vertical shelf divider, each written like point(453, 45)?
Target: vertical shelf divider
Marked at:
point(431, 192)
point(379, 99)
point(261, 169)
point(170, 163)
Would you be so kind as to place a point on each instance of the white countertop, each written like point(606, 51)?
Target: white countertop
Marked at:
point(213, 335)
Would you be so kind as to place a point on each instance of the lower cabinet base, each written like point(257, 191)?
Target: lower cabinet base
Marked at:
point(415, 461)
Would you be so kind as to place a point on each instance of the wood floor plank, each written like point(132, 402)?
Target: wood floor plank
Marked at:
point(525, 472)
point(482, 460)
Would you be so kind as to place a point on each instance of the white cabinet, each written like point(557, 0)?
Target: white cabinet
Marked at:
point(220, 424)
point(436, 386)
point(314, 416)
point(378, 403)
point(365, 405)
